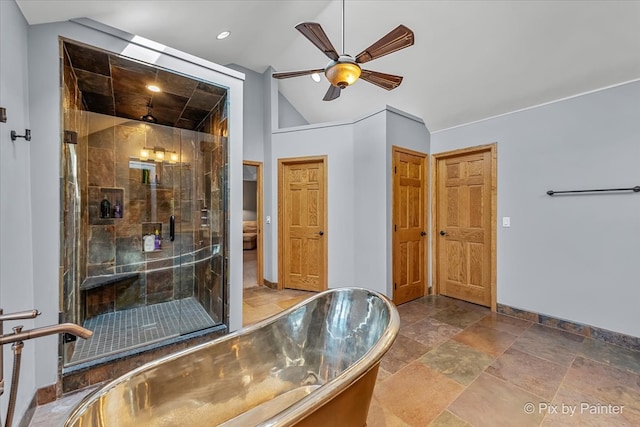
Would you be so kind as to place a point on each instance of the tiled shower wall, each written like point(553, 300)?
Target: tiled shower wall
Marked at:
point(73, 188)
point(115, 245)
point(192, 190)
point(211, 282)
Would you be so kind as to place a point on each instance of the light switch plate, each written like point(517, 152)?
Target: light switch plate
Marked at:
point(268, 220)
point(506, 221)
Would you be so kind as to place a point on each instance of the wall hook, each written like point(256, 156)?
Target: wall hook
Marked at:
point(27, 135)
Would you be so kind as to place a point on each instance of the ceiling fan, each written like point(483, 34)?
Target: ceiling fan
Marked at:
point(343, 70)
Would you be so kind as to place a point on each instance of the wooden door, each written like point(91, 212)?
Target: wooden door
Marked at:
point(465, 225)
point(409, 225)
point(302, 224)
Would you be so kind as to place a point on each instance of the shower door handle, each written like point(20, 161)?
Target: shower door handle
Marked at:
point(172, 228)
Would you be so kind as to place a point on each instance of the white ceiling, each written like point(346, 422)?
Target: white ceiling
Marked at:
point(471, 59)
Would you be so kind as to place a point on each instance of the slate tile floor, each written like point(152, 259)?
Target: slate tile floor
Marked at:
point(458, 364)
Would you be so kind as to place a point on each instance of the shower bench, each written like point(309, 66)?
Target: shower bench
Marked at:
point(103, 294)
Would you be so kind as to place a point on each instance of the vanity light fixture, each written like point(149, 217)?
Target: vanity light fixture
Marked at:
point(223, 35)
point(159, 154)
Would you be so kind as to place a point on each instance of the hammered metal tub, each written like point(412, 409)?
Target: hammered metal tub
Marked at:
point(314, 364)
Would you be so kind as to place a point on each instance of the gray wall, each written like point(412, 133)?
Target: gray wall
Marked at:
point(253, 119)
point(359, 190)
point(336, 142)
point(270, 115)
point(288, 116)
point(370, 220)
point(373, 139)
point(16, 262)
point(572, 257)
point(249, 200)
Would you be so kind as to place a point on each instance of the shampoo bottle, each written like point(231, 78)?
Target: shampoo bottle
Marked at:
point(105, 208)
point(158, 241)
point(117, 210)
point(149, 242)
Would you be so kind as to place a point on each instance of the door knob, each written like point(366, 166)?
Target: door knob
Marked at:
point(321, 233)
point(422, 233)
point(443, 233)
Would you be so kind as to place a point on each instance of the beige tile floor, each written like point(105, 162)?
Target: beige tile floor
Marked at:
point(457, 364)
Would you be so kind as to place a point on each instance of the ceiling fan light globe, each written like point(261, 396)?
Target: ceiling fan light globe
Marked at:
point(343, 74)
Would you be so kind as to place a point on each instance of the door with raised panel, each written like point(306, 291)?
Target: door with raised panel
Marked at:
point(464, 212)
point(302, 224)
point(409, 225)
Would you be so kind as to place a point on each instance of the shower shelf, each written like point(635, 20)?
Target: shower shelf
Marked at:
point(96, 195)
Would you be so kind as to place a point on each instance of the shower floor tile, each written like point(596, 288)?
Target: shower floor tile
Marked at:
point(120, 330)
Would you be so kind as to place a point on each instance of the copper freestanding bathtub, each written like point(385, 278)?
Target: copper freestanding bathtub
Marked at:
point(314, 364)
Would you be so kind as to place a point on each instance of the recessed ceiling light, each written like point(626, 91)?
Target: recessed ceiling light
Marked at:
point(153, 88)
point(316, 77)
point(223, 35)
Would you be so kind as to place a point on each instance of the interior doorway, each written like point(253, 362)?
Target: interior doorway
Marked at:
point(409, 224)
point(302, 223)
point(252, 224)
point(464, 224)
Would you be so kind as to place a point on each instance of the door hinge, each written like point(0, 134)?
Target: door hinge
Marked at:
point(70, 137)
point(395, 286)
point(395, 227)
point(395, 169)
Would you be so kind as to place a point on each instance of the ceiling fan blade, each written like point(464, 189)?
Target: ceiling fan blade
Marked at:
point(385, 81)
point(332, 93)
point(396, 39)
point(316, 35)
point(287, 74)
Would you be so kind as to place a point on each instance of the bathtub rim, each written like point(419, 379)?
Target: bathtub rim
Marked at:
point(306, 405)
point(354, 373)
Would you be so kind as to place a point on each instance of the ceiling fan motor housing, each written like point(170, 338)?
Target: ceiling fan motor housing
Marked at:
point(343, 72)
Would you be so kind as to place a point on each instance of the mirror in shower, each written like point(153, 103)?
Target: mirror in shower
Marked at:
point(144, 197)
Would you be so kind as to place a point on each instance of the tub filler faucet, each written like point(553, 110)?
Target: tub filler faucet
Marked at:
point(16, 340)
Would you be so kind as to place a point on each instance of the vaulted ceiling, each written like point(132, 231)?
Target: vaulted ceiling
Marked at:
point(471, 59)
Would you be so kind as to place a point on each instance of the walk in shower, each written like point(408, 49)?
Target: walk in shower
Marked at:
point(144, 195)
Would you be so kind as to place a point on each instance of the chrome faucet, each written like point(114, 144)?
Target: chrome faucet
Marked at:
point(69, 328)
point(17, 338)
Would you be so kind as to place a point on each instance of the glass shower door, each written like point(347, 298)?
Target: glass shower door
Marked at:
point(199, 266)
point(143, 211)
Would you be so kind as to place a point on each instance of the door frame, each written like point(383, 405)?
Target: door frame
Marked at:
point(282, 162)
point(493, 148)
point(397, 149)
point(259, 208)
